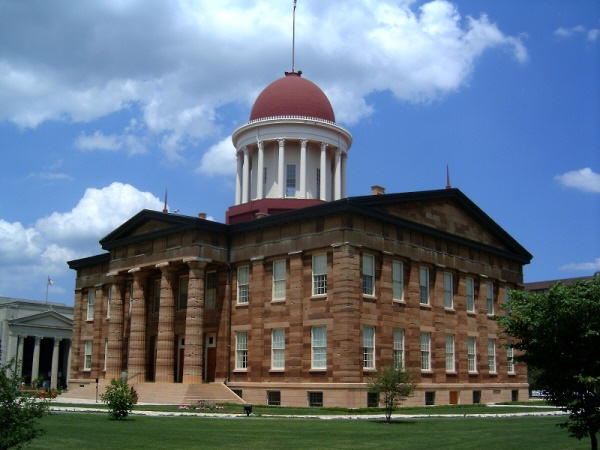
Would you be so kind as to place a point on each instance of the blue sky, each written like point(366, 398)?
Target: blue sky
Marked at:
point(103, 105)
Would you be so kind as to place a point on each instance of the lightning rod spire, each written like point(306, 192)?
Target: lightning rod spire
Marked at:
point(293, 35)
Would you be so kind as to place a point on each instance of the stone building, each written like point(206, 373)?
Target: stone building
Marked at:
point(304, 293)
point(36, 336)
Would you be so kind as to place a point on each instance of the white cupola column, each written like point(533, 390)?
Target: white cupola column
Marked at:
point(238, 179)
point(280, 168)
point(303, 143)
point(323, 171)
point(344, 161)
point(338, 175)
point(260, 170)
point(246, 176)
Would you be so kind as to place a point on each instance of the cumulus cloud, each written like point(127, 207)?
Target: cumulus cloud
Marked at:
point(79, 61)
point(593, 266)
point(583, 179)
point(219, 159)
point(27, 252)
point(129, 143)
point(590, 33)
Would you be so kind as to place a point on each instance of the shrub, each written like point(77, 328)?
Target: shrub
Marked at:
point(120, 398)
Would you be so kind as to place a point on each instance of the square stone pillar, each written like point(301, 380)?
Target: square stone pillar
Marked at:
point(165, 341)
point(115, 330)
point(136, 362)
point(194, 317)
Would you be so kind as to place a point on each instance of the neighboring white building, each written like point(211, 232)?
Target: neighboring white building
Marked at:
point(38, 336)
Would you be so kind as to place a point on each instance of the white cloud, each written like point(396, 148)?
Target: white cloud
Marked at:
point(583, 179)
point(219, 159)
point(593, 266)
point(112, 142)
point(79, 61)
point(591, 34)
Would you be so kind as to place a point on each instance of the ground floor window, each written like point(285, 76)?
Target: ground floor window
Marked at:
point(476, 397)
point(315, 399)
point(514, 395)
point(430, 398)
point(372, 399)
point(274, 398)
point(87, 355)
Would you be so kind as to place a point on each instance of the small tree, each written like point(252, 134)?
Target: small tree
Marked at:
point(395, 385)
point(559, 333)
point(19, 410)
point(120, 398)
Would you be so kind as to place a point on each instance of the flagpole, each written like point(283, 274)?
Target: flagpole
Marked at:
point(47, 284)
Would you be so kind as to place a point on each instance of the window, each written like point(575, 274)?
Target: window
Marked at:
point(489, 297)
point(399, 349)
point(448, 291)
point(182, 293)
point(476, 397)
point(470, 285)
point(105, 353)
point(510, 360)
point(368, 347)
point(278, 349)
point(91, 299)
point(397, 281)
point(318, 183)
point(242, 282)
point(210, 290)
point(108, 300)
point(87, 355)
point(424, 285)
point(514, 395)
point(471, 355)
point(492, 355)
point(319, 348)
point(274, 398)
point(241, 350)
point(279, 275)
point(368, 274)
point(156, 295)
point(450, 359)
point(290, 181)
point(264, 177)
point(319, 274)
point(425, 351)
point(372, 399)
point(430, 398)
point(315, 399)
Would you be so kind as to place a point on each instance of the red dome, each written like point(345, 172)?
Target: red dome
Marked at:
point(292, 95)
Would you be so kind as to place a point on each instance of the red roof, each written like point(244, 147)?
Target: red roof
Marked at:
point(292, 95)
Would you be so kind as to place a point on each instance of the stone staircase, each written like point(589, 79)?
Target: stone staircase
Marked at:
point(83, 389)
point(212, 392)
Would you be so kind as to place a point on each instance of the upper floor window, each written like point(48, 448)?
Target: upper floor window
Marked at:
point(471, 354)
point(210, 290)
point(470, 288)
point(489, 297)
point(399, 349)
point(278, 349)
point(319, 348)
point(424, 285)
point(368, 274)
point(425, 351)
point(448, 290)
point(450, 360)
point(243, 275)
point(319, 274)
point(397, 280)
point(91, 300)
point(290, 182)
point(368, 347)
point(492, 355)
point(182, 298)
point(241, 350)
point(279, 278)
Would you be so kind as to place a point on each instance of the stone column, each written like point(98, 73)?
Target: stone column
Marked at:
point(136, 362)
point(69, 362)
point(238, 179)
point(303, 168)
point(115, 331)
point(76, 336)
point(338, 175)
point(98, 346)
point(165, 341)
point(260, 170)
point(281, 168)
point(194, 316)
point(54, 372)
point(13, 346)
point(323, 171)
point(246, 176)
point(35, 363)
point(20, 345)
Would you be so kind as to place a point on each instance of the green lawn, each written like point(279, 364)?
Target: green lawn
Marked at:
point(96, 431)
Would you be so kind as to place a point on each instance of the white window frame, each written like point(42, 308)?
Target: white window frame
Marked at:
point(424, 277)
point(91, 301)
point(489, 298)
point(109, 300)
point(210, 292)
point(470, 294)
point(368, 348)
point(492, 366)
point(368, 274)
point(510, 360)
point(319, 277)
point(399, 349)
point(241, 350)
point(278, 349)
point(448, 281)
point(318, 348)
point(397, 281)
point(243, 284)
point(472, 354)
point(450, 353)
point(425, 345)
point(279, 280)
point(87, 355)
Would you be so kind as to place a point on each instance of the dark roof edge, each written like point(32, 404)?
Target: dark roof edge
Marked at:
point(89, 261)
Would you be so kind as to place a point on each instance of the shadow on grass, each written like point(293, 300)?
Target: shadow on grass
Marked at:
point(394, 422)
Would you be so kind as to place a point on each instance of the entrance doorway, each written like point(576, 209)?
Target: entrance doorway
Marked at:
point(210, 356)
point(454, 397)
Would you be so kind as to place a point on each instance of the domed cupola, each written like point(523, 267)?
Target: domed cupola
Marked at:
point(291, 153)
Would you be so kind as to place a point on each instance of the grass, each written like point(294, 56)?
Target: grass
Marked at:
point(278, 410)
point(96, 431)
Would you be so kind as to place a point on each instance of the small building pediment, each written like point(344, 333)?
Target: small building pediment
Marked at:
point(47, 319)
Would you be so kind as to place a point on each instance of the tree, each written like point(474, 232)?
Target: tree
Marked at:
point(395, 385)
point(19, 410)
point(120, 398)
point(558, 332)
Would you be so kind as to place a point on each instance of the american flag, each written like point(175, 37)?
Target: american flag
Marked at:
point(50, 281)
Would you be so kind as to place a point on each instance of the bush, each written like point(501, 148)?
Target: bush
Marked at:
point(120, 398)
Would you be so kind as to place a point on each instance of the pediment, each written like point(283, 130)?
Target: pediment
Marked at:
point(149, 227)
point(48, 319)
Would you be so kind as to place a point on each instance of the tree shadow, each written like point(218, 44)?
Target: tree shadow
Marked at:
point(394, 422)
